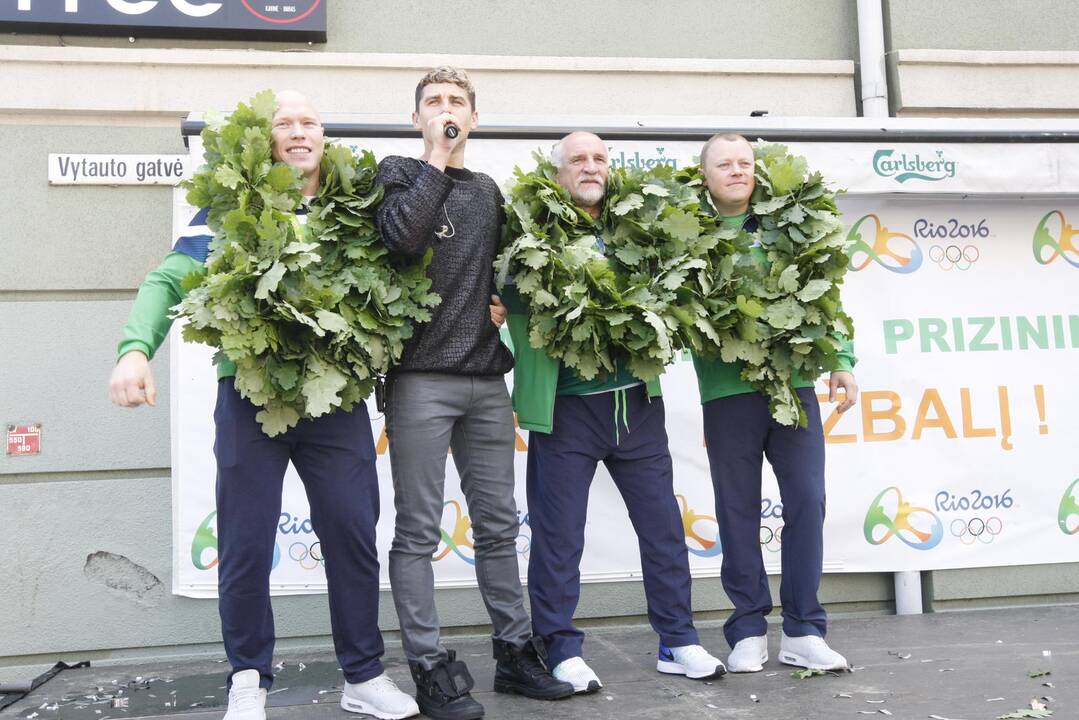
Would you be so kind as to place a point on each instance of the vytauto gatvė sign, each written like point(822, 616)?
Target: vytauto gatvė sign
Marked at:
point(220, 19)
point(116, 169)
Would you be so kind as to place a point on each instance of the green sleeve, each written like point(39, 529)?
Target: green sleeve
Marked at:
point(149, 321)
point(847, 360)
point(511, 298)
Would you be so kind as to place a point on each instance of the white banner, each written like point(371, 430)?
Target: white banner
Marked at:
point(956, 455)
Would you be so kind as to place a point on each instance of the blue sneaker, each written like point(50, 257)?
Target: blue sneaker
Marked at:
point(693, 661)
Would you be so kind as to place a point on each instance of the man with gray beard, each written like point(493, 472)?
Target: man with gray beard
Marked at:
point(615, 418)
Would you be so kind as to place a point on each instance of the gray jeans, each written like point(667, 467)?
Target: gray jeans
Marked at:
point(428, 414)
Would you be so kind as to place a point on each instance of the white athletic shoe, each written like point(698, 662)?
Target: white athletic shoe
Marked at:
point(810, 651)
point(247, 701)
point(693, 661)
point(380, 697)
point(749, 655)
point(574, 671)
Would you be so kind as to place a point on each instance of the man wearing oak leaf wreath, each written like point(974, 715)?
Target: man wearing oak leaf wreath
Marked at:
point(740, 432)
point(334, 455)
point(574, 424)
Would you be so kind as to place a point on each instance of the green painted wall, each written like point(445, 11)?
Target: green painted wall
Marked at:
point(983, 24)
point(610, 28)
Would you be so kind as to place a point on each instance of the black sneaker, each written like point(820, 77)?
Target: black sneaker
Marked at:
point(521, 670)
point(442, 691)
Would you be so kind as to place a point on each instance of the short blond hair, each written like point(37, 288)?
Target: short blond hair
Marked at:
point(728, 137)
point(447, 74)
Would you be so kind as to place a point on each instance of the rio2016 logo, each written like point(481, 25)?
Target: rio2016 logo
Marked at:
point(457, 539)
point(701, 545)
point(1068, 514)
point(893, 251)
point(1055, 238)
point(889, 515)
point(702, 531)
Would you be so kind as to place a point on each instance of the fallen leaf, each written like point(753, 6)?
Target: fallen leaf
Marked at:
point(1039, 673)
point(842, 695)
point(993, 699)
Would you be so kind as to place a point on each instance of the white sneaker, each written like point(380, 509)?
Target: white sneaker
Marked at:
point(574, 671)
point(749, 655)
point(380, 697)
point(810, 651)
point(247, 701)
point(693, 661)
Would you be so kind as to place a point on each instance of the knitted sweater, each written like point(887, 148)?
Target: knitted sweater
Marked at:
point(459, 214)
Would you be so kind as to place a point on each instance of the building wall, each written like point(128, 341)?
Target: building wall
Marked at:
point(983, 58)
point(88, 572)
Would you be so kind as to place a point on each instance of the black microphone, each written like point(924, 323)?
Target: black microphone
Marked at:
point(451, 131)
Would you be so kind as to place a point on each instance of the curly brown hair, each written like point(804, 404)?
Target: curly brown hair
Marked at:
point(447, 74)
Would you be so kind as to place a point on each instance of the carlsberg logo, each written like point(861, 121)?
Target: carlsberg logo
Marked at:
point(905, 167)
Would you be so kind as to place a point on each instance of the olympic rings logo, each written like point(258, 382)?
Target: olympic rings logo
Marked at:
point(307, 556)
point(952, 256)
point(706, 545)
point(771, 539)
point(976, 529)
point(917, 527)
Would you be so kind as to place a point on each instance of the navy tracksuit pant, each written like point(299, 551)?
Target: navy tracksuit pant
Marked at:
point(560, 470)
point(335, 457)
point(740, 433)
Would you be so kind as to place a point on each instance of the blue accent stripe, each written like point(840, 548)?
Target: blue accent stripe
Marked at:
point(195, 246)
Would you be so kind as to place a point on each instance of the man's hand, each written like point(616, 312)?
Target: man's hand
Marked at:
point(441, 146)
point(498, 311)
point(132, 383)
point(845, 380)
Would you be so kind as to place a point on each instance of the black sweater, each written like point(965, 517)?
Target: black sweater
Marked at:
point(465, 208)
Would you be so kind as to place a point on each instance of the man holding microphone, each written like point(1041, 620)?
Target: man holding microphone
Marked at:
point(448, 392)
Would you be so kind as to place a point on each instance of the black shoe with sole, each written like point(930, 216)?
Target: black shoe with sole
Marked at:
point(521, 670)
point(442, 691)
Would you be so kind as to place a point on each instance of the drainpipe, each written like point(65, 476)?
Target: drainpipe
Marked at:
point(874, 88)
point(874, 91)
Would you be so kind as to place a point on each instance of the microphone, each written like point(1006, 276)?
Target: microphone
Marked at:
point(451, 131)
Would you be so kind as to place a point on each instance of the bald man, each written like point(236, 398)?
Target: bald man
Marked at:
point(334, 455)
point(575, 424)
